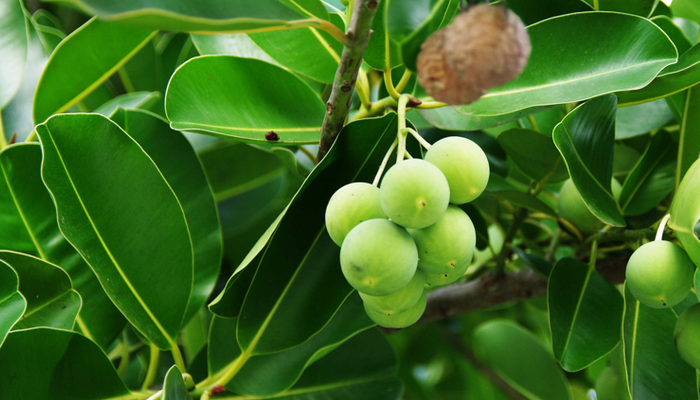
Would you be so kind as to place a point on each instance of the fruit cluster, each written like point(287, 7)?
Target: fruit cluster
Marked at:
point(485, 46)
point(404, 234)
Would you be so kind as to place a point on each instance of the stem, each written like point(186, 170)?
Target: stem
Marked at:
point(389, 82)
point(362, 87)
point(179, 361)
point(124, 362)
point(533, 122)
point(384, 162)
point(553, 246)
point(308, 154)
point(338, 104)
point(376, 108)
point(3, 139)
point(31, 137)
point(427, 105)
point(152, 368)
point(404, 80)
point(126, 81)
point(662, 225)
point(236, 366)
point(518, 219)
point(419, 138)
point(403, 100)
point(594, 254)
point(596, 6)
point(156, 396)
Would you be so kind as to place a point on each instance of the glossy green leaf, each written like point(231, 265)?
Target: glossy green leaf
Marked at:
point(376, 52)
point(521, 360)
point(643, 8)
point(174, 386)
point(535, 261)
point(535, 154)
point(674, 32)
point(652, 178)
point(206, 15)
point(453, 119)
point(14, 41)
point(12, 303)
point(686, 9)
point(689, 145)
point(231, 44)
point(641, 118)
point(300, 269)
point(51, 299)
point(586, 140)
point(128, 101)
point(28, 209)
point(531, 12)
point(100, 48)
point(179, 165)
point(243, 99)
point(654, 368)
point(53, 364)
point(105, 186)
point(685, 212)
point(568, 64)
point(585, 314)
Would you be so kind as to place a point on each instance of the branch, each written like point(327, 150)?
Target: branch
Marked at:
point(338, 104)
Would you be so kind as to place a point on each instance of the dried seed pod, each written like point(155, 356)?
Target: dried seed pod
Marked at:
point(487, 45)
point(436, 77)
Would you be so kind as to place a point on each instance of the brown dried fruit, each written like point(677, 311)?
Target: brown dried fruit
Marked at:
point(487, 45)
point(438, 79)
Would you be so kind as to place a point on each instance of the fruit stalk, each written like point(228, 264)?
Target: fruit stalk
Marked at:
point(338, 104)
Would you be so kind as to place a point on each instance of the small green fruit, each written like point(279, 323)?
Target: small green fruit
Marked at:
point(351, 204)
point(399, 320)
point(378, 257)
point(399, 301)
point(446, 245)
point(660, 274)
point(687, 335)
point(572, 208)
point(436, 280)
point(464, 164)
point(414, 193)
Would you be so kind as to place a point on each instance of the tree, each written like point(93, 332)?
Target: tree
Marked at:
point(164, 189)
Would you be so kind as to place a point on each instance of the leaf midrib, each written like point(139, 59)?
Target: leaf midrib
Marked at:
point(576, 310)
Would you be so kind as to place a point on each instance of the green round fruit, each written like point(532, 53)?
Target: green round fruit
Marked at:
point(610, 386)
point(399, 320)
point(572, 208)
point(378, 257)
point(351, 204)
point(464, 164)
point(687, 335)
point(435, 280)
point(414, 193)
point(660, 274)
point(399, 301)
point(447, 244)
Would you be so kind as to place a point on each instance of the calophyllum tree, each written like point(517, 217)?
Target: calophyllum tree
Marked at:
point(386, 199)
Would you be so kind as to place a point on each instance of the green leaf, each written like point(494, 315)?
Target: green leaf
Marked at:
point(14, 43)
point(231, 44)
point(586, 140)
point(652, 178)
point(643, 8)
point(205, 15)
point(300, 269)
point(453, 119)
point(128, 101)
point(106, 187)
point(180, 167)
point(674, 32)
point(579, 56)
point(376, 52)
point(174, 386)
point(686, 9)
point(654, 368)
point(585, 314)
point(689, 146)
point(534, 153)
point(531, 12)
point(100, 48)
point(685, 212)
point(52, 364)
point(521, 360)
point(27, 208)
point(500, 188)
point(243, 99)
point(642, 118)
point(12, 303)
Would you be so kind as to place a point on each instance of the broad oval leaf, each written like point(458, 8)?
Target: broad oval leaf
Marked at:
point(534, 153)
point(580, 56)
point(204, 15)
point(100, 48)
point(243, 99)
point(643, 8)
point(174, 386)
point(586, 140)
point(53, 364)
point(689, 144)
point(674, 32)
point(685, 212)
point(375, 54)
point(654, 368)
point(230, 44)
point(26, 206)
point(531, 12)
point(106, 188)
point(642, 118)
point(585, 314)
point(453, 119)
point(134, 100)
point(521, 360)
point(14, 43)
point(12, 303)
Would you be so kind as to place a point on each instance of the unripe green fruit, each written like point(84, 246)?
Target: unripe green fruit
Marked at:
point(402, 319)
point(572, 208)
point(610, 386)
point(351, 204)
point(414, 193)
point(687, 335)
point(435, 280)
point(659, 274)
point(447, 244)
point(399, 301)
point(378, 257)
point(464, 164)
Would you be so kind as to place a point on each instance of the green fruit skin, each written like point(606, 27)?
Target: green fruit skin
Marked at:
point(446, 245)
point(351, 204)
point(610, 386)
point(686, 334)
point(414, 193)
point(378, 257)
point(402, 319)
point(435, 280)
point(572, 208)
point(399, 301)
point(464, 164)
point(660, 274)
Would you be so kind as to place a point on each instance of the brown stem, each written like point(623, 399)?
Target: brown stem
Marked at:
point(338, 104)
